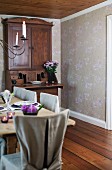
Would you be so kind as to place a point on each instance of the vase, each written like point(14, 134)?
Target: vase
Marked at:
point(52, 78)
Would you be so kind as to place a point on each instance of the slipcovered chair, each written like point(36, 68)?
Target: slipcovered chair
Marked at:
point(2, 148)
point(24, 94)
point(50, 102)
point(41, 140)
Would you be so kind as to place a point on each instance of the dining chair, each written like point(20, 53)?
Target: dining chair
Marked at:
point(24, 94)
point(2, 148)
point(41, 140)
point(50, 102)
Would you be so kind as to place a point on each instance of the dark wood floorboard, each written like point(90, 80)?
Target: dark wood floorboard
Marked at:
point(87, 147)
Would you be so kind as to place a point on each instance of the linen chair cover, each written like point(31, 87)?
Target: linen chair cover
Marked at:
point(41, 140)
point(24, 94)
point(50, 102)
point(30, 96)
point(2, 148)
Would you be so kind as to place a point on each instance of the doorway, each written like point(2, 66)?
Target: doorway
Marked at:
point(109, 74)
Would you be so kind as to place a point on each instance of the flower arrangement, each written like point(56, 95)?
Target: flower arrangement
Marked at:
point(50, 66)
point(30, 109)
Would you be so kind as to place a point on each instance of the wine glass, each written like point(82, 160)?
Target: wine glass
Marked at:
point(7, 101)
point(7, 97)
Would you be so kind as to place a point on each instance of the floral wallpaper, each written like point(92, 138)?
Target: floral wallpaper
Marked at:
point(84, 63)
point(2, 76)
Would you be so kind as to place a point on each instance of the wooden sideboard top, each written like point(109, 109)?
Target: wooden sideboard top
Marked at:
point(40, 86)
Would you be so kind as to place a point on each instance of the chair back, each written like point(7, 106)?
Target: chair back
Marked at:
point(24, 94)
point(41, 140)
point(50, 102)
point(2, 146)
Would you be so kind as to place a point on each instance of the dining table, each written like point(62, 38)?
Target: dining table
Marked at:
point(7, 130)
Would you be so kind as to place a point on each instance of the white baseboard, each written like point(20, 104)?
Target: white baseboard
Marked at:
point(87, 119)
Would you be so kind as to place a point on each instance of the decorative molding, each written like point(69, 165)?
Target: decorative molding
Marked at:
point(103, 4)
point(109, 74)
point(87, 119)
point(3, 16)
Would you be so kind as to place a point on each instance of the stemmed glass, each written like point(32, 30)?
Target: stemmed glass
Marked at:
point(7, 104)
point(7, 97)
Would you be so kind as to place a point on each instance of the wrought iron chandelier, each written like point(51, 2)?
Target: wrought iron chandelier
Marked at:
point(16, 50)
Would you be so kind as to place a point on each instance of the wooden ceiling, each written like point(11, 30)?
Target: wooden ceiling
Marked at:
point(45, 8)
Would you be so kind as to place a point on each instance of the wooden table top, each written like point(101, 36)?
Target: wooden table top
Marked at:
point(8, 128)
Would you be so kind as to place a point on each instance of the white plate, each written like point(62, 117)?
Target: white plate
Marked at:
point(24, 103)
point(36, 82)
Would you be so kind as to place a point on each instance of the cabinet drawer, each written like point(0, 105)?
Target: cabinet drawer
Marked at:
point(14, 72)
point(19, 81)
point(14, 77)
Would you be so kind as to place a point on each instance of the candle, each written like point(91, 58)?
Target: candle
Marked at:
point(24, 29)
point(4, 119)
point(10, 115)
point(17, 38)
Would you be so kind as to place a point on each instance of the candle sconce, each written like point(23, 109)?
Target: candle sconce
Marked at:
point(16, 50)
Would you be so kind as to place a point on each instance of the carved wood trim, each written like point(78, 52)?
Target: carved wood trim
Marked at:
point(27, 20)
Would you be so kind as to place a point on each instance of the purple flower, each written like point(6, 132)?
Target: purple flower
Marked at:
point(31, 109)
point(51, 66)
point(24, 108)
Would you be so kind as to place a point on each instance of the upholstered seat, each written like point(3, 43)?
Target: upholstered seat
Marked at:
point(41, 140)
point(24, 94)
point(50, 102)
point(13, 159)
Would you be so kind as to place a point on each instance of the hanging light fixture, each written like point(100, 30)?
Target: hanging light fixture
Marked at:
point(16, 50)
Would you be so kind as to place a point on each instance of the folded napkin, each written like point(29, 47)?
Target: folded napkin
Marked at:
point(15, 106)
point(2, 108)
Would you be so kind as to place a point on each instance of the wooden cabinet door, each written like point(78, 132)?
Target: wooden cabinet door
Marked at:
point(38, 47)
point(41, 45)
point(20, 61)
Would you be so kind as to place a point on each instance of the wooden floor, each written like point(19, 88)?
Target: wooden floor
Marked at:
point(87, 147)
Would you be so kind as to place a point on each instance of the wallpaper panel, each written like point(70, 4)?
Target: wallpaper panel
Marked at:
point(84, 63)
point(2, 76)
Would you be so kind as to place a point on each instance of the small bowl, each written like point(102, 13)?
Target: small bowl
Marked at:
point(30, 114)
